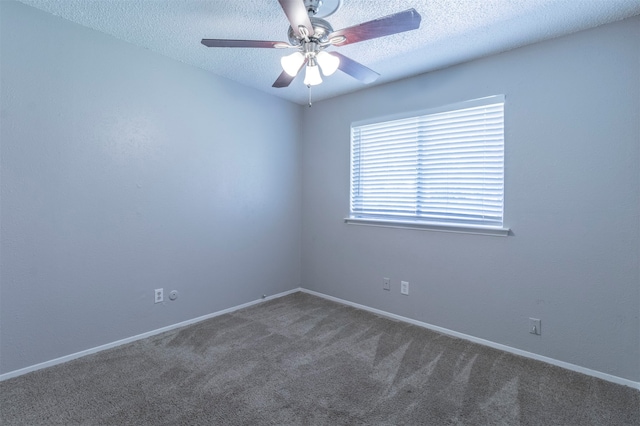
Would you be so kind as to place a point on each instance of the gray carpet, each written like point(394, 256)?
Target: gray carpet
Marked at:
point(303, 360)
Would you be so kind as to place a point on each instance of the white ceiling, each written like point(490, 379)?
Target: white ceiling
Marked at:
point(451, 32)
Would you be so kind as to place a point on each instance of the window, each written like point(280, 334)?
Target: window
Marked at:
point(440, 169)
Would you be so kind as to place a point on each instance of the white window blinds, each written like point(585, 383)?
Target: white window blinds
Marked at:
point(440, 167)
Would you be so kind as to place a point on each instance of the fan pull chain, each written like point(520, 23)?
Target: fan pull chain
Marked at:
point(309, 86)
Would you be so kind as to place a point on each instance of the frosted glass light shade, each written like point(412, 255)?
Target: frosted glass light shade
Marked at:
point(291, 63)
point(312, 76)
point(328, 63)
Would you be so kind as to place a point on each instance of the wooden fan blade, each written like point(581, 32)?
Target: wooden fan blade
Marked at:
point(213, 42)
point(392, 24)
point(356, 69)
point(297, 15)
point(284, 79)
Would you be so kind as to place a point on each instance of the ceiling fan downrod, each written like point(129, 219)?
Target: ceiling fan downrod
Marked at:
point(312, 6)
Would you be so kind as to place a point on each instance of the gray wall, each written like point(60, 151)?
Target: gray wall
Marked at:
point(572, 179)
point(124, 171)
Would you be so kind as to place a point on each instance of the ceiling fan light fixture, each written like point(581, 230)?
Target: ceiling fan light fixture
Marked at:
point(312, 74)
point(309, 34)
point(291, 63)
point(328, 63)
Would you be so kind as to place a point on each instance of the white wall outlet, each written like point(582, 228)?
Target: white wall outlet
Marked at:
point(534, 326)
point(386, 284)
point(159, 295)
point(404, 287)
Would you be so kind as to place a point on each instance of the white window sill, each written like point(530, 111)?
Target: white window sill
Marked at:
point(426, 226)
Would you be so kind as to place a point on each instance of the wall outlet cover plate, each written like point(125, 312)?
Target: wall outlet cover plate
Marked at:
point(534, 326)
point(386, 284)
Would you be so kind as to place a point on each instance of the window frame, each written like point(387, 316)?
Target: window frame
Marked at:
point(410, 223)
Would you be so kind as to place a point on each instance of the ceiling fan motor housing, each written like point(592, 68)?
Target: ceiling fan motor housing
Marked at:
point(321, 31)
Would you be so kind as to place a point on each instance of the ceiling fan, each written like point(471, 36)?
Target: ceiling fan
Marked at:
point(311, 35)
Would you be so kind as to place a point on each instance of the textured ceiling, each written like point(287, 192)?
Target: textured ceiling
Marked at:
point(452, 31)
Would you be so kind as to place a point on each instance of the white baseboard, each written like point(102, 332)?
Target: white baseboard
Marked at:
point(552, 361)
point(86, 352)
point(568, 366)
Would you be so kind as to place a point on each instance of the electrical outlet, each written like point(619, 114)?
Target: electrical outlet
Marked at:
point(386, 284)
point(534, 326)
point(404, 287)
point(159, 295)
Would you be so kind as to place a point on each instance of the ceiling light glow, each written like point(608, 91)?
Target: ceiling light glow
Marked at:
point(312, 75)
point(291, 63)
point(328, 63)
